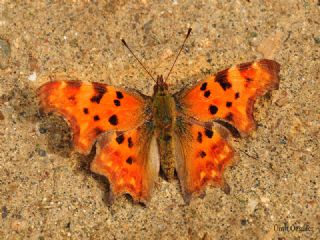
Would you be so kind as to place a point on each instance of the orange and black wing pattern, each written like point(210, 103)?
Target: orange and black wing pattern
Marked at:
point(129, 160)
point(92, 108)
point(202, 154)
point(230, 94)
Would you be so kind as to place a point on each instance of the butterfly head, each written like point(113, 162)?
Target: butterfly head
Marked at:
point(161, 86)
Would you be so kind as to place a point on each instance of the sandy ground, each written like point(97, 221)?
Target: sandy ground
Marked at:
point(47, 190)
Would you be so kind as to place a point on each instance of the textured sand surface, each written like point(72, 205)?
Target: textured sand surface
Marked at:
point(47, 190)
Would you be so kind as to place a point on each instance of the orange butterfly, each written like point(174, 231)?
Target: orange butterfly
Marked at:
point(182, 132)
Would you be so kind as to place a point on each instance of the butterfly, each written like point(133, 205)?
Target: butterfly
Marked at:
point(181, 134)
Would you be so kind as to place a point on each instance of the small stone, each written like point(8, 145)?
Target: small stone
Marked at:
point(74, 43)
point(264, 199)
point(1, 116)
point(68, 225)
point(243, 222)
point(148, 26)
point(283, 140)
point(42, 130)
point(166, 54)
point(253, 34)
point(270, 45)
point(4, 212)
point(32, 77)
point(252, 203)
point(5, 52)
point(317, 40)
point(41, 152)
point(18, 225)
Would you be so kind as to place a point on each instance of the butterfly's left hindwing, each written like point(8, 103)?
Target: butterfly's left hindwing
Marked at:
point(202, 154)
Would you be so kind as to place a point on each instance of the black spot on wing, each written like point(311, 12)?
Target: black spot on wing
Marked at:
point(222, 79)
point(129, 160)
point(130, 143)
point(85, 110)
point(96, 118)
point(199, 137)
point(203, 86)
point(207, 93)
point(208, 133)
point(72, 98)
point(100, 90)
point(228, 104)
point(113, 120)
point(244, 66)
point(236, 95)
point(229, 117)
point(120, 139)
point(116, 102)
point(119, 94)
point(98, 130)
point(202, 154)
point(74, 83)
point(213, 109)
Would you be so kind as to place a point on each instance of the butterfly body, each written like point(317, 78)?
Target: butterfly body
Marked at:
point(164, 118)
point(184, 132)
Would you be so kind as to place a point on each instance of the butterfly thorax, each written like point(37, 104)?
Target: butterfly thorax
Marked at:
point(164, 118)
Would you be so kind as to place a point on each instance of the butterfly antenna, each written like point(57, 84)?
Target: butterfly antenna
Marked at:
point(126, 45)
point(188, 34)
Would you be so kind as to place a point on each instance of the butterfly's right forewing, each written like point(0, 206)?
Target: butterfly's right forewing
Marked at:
point(92, 109)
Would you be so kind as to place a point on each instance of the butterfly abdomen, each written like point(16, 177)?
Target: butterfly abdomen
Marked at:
point(164, 116)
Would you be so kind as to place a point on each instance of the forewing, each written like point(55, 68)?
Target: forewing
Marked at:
point(92, 108)
point(202, 154)
point(130, 161)
point(231, 93)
